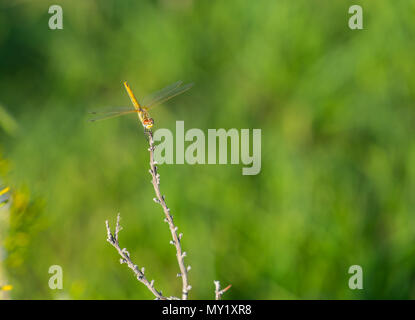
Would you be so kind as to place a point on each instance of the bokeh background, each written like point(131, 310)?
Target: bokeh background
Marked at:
point(336, 109)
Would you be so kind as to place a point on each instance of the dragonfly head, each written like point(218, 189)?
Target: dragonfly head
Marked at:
point(148, 123)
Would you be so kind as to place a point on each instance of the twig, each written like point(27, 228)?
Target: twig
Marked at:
point(169, 219)
point(218, 291)
point(125, 258)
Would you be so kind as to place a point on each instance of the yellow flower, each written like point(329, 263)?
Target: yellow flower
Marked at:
point(4, 190)
point(6, 287)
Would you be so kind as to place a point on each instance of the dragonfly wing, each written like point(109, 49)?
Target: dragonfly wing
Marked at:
point(156, 95)
point(111, 114)
point(111, 110)
point(167, 95)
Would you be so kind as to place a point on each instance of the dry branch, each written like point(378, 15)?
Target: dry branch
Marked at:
point(112, 238)
point(218, 291)
point(169, 219)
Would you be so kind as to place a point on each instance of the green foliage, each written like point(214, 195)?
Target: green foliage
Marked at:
point(24, 226)
point(336, 111)
point(20, 224)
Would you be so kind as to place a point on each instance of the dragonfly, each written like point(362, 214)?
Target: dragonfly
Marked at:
point(149, 102)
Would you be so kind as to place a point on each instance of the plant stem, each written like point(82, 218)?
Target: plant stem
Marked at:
point(169, 219)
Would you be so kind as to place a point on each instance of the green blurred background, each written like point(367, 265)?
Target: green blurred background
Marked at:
point(336, 109)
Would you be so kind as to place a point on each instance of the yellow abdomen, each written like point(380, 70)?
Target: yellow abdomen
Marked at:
point(131, 95)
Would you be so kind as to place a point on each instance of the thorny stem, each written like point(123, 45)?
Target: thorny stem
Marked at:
point(218, 291)
point(125, 258)
point(169, 219)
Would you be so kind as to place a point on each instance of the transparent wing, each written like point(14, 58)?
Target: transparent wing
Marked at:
point(156, 95)
point(110, 114)
point(167, 93)
point(111, 110)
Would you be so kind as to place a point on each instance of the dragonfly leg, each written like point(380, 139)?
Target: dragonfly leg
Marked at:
point(147, 132)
